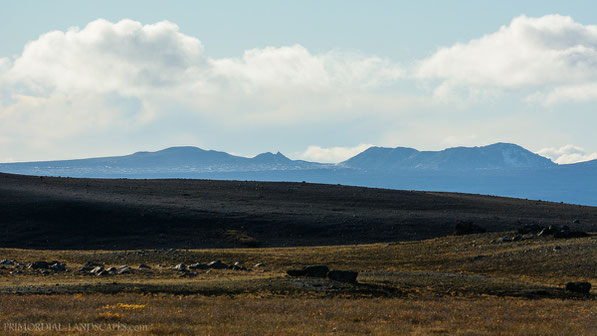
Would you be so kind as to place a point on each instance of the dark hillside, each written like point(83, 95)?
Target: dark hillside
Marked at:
point(67, 213)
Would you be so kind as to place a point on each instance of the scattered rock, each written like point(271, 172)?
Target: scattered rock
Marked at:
point(180, 267)
point(561, 232)
point(343, 276)
point(579, 287)
point(464, 228)
point(217, 264)
point(58, 267)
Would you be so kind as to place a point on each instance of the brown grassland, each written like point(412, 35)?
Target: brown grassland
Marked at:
point(454, 285)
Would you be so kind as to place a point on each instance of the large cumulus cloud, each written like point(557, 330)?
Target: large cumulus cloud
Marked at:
point(552, 56)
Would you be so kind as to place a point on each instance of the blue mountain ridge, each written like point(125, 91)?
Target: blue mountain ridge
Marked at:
point(500, 169)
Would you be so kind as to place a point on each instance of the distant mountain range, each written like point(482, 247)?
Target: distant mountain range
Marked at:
point(500, 169)
point(496, 156)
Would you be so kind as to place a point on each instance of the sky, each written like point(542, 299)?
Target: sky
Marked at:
point(315, 80)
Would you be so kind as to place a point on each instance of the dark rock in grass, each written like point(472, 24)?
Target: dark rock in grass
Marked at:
point(58, 267)
point(464, 228)
point(217, 264)
point(124, 269)
point(6, 262)
point(315, 271)
point(188, 274)
point(296, 272)
point(144, 267)
point(582, 287)
point(343, 276)
point(40, 265)
point(200, 266)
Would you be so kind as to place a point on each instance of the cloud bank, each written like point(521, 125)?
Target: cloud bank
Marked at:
point(129, 78)
point(567, 154)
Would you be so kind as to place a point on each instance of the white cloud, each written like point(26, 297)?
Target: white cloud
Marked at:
point(332, 154)
point(552, 53)
point(125, 57)
point(567, 154)
point(64, 85)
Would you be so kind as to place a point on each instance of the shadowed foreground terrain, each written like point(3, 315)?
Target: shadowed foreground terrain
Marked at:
point(66, 213)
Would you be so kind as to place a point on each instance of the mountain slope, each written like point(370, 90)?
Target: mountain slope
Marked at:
point(164, 163)
point(496, 156)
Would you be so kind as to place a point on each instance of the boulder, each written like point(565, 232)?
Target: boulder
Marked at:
point(180, 267)
point(200, 266)
point(296, 272)
point(343, 276)
point(96, 270)
point(144, 267)
point(582, 287)
point(111, 270)
point(216, 264)
point(257, 265)
point(124, 269)
point(314, 271)
point(40, 265)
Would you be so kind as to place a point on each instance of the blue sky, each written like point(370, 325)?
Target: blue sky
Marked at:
point(317, 80)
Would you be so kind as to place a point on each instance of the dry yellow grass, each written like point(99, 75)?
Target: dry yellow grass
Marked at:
point(254, 315)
